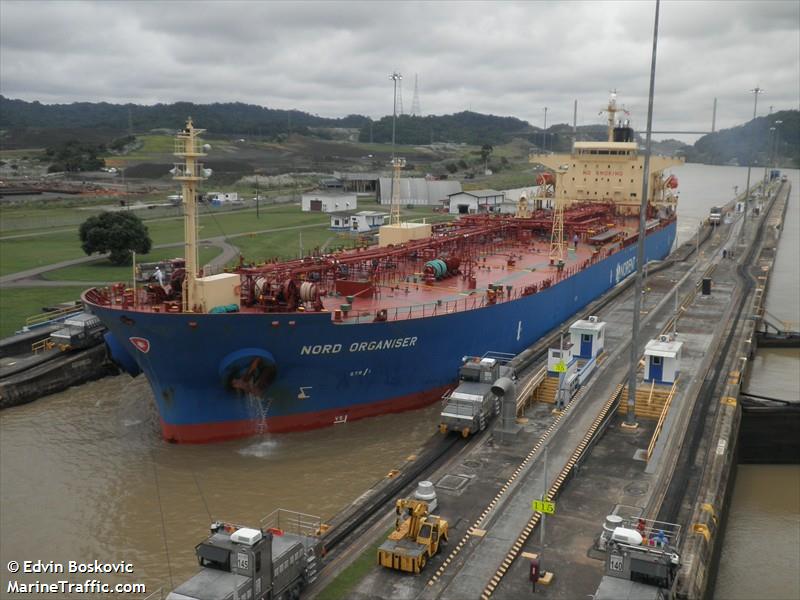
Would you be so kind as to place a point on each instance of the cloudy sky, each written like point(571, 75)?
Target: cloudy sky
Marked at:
point(335, 58)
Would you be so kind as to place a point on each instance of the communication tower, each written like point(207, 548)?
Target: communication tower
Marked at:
point(415, 110)
point(400, 110)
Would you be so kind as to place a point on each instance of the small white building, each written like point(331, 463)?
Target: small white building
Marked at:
point(587, 337)
point(662, 360)
point(476, 201)
point(328, 202)
point(362, 221)
point(220, 198)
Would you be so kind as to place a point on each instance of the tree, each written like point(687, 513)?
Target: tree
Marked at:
point(119, 233)
point(74, 156)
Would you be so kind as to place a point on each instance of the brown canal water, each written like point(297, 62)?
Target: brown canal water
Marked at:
point(84, 474)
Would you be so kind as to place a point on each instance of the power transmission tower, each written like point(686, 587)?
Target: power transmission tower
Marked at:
point(400, 110)
point(415, 110)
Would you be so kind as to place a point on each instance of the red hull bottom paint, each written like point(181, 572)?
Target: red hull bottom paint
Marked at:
point(201, 433)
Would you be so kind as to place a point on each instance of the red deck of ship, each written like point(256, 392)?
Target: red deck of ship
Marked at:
point(406, 296)
point(391, 284)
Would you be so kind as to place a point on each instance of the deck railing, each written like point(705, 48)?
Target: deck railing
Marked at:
point(120, 296)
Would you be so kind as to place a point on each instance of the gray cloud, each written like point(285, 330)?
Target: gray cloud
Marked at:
point(334, 58)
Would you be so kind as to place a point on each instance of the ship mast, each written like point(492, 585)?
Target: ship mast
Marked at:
point(612, 110)
point(189, 173)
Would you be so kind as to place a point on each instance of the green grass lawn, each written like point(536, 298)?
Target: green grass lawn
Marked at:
point(286, 244)
point(504, 180)
point(154, 146)
point(349, 578)
point(281, 244)
point(16, 304)
point(45, 215)
point(27, 253)
point(103, 270)
point(20, 153)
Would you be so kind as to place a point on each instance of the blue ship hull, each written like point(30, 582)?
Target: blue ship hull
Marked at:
point(323, 372)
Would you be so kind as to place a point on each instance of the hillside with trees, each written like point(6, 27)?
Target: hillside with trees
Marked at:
point(230, 117)
point(33, 124)
point(460, 128)
point(760, 142)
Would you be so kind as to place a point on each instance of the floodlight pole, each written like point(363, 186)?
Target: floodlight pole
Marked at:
point(630, 416)
point(397, 163)
point(755, 91)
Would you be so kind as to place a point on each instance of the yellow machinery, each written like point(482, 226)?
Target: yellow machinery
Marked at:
point(415, 539)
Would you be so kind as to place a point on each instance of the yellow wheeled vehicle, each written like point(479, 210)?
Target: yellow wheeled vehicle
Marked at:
point(416, 537)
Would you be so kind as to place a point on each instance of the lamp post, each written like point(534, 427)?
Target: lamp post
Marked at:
point(630, 417)
point(755, 91)
point(777, 142)
point(544, 130)
point(769, 155)
point(394, 77)
point(397, 163)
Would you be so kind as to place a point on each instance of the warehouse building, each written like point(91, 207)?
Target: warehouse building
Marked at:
point(328, 201)
point(418, 191)
point(476, 201)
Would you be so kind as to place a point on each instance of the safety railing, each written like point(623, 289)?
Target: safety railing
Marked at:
point(658, 535)
point(52, 315)
point(290, 521)
point(529, 387)
point(42, 345)
point(662, 417)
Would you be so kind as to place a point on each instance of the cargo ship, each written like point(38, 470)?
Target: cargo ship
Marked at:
point(330, 338)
